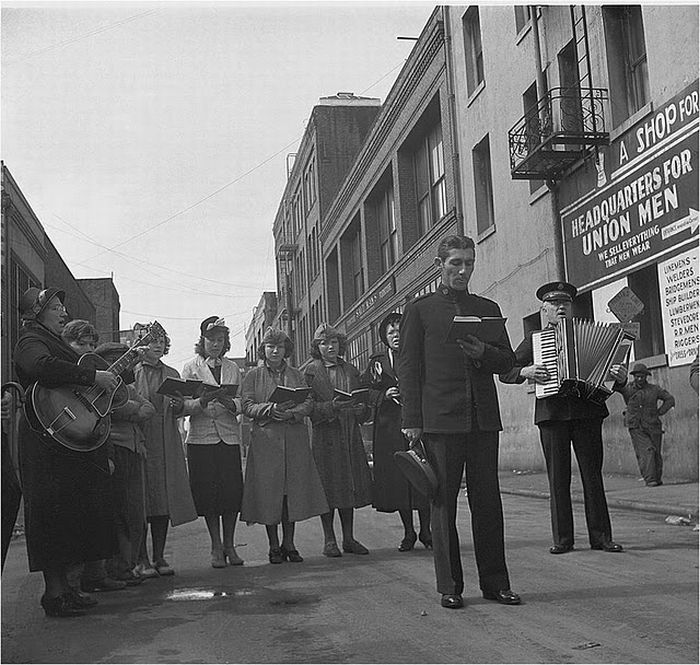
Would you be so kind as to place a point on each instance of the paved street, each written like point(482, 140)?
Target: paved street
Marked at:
point(584, 607)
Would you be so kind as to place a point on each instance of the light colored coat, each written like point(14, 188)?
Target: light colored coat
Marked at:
point(279, 460)
point(167, 483)
point(214, 423)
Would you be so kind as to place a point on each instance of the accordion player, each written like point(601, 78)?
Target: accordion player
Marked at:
point(578, 355)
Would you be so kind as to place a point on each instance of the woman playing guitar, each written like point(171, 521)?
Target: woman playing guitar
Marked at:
point(67, 509)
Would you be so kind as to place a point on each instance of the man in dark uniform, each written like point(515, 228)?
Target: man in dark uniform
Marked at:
point(565, 421)
point(449, 399)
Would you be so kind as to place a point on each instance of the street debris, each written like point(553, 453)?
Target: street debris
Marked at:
point(423, 613)
point(587, 645)
point(678, 520)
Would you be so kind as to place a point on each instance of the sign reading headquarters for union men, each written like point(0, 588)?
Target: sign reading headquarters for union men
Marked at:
point(649, 207)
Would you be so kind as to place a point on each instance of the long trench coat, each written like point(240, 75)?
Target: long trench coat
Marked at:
point(279, 460)
point(337, 440)
point(167, 483)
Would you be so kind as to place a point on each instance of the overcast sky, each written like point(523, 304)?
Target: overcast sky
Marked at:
point(150, 138)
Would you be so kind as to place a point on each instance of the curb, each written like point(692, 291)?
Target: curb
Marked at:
point(624, 504)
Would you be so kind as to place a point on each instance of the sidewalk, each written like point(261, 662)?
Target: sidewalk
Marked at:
point(626, 492)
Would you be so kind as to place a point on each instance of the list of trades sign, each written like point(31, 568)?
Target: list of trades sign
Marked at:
point(649, 205)
point(679, 287)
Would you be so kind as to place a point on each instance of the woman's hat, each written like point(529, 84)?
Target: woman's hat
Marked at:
point(34, 301)
point(275, 336)
point(212, 325)
point(326, 331)
point(414, 465)
point(392, 317)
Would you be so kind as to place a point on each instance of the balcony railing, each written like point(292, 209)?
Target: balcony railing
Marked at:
point(559, 131)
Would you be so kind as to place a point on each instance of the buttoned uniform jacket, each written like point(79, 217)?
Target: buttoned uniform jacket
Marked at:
point(215, 422)
point(643, 410)
point(555, 407)
point(443, 390)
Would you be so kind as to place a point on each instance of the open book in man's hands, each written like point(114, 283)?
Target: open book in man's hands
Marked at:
point(486, 328)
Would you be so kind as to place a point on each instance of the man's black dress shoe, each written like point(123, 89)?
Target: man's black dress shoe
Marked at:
point(608, 546)
point(61, 606)
point(452, 601)
point(80, 599)
point(504, 596)
point(560, 549)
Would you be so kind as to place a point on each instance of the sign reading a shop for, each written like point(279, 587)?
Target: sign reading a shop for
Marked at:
point(381, 294)
point(649, 207)
point(679, 288)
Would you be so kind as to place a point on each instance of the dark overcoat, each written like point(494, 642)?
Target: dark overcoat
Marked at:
point(390, 490)
point(68, 507)
point(336, 439)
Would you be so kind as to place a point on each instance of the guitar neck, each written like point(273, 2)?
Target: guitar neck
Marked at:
point(128, 360)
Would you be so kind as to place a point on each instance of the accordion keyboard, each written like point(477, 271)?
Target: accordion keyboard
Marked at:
point(544, 352)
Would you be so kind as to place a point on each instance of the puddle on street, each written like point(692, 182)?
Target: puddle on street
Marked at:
point(205, 594)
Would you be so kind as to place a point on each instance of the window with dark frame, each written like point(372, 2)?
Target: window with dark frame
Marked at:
point(522, 17)
point(627, 60)
point(358, 278)
point(429, 170)
point(483, 185)
point(471, 27)
point(532, 127)
point(388, 236)
point(645, 283)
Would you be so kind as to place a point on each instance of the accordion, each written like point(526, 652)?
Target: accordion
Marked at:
point(578, 355)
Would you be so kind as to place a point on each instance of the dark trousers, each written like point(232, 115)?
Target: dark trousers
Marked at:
point(11, 497)
point(557, 437)
point(449, 454)
point(647, 448)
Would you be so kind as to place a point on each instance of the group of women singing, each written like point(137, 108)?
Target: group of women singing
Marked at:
point(306, 456)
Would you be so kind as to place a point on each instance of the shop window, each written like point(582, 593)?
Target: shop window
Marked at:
point(358, 350)
point(645, 283)
point(483, 185)
point(471, 27)
point(627, 60)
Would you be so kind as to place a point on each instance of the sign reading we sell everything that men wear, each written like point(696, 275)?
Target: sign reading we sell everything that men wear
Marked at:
point(648, 208)
point(679, 287)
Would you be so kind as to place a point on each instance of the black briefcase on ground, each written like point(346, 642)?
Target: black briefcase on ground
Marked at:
point(413, 464)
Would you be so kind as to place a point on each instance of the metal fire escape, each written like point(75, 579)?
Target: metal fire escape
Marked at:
point(566, 123)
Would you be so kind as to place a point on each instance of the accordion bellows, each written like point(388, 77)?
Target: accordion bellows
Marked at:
point(578, 355)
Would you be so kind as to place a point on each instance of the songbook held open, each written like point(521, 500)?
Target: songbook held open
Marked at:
point(286, 394)
point(486, 328)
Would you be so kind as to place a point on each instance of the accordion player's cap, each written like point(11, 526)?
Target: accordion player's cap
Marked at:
point(556, 291)
point(640, 368)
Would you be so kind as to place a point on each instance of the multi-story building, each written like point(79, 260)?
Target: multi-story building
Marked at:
point(29, 258)
point(263, 316)
point(581, 163)
point(334, 134)
point(105, 297)
point(399, 198)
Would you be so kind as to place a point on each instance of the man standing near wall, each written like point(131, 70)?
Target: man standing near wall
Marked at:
point(564, 422)
point(642, 420)
point(449, 400)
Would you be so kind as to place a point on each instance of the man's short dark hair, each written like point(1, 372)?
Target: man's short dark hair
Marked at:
point(454, 242)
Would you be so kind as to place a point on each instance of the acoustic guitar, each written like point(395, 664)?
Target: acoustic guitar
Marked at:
point(78, 417)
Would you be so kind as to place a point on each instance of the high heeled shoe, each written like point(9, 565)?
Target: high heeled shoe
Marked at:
point(409, 540)
point(292, 555)
point(218, 559)
point(427, 540)
point(232, 556)
point(61, 606)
